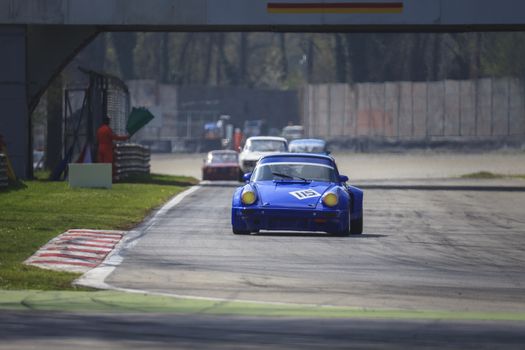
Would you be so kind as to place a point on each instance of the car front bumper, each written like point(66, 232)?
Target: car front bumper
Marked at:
point(275, 219)
point(221, 173)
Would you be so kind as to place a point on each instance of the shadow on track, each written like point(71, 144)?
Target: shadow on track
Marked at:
point(48, 330)
point(313, 234)
point(158, 179)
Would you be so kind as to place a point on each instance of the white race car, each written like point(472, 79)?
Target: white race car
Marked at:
point(258, 146)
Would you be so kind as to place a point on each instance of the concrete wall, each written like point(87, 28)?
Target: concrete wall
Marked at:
point(14, 120)
point(416, 110)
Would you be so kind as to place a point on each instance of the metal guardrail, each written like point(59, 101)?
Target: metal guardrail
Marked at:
point(131, 158)
point(3, 171)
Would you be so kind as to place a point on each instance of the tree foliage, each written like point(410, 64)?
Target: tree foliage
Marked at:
point(288, 60)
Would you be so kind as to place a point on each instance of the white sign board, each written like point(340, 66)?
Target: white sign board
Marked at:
point(90, 175)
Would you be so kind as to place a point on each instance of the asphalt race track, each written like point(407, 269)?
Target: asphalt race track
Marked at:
point(422, 250)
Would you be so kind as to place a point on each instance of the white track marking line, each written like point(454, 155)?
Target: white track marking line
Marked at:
point(96, 277)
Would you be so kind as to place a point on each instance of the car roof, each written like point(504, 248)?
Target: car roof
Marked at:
point(313, 157)
point(267, 138)
point(222, 151)
point(307, 141)
point(293, 127)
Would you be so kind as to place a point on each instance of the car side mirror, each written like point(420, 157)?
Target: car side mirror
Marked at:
point(343, 178)
point(246, 177)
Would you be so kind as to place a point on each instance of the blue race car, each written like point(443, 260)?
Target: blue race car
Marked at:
point(297, 192)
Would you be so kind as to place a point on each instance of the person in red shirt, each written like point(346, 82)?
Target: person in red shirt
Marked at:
point(237, 140)
point(105, 138)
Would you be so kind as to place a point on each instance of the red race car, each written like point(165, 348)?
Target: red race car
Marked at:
point(221, 165)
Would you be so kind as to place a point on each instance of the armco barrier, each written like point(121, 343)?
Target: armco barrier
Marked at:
point(131, 158)
point(3, 171)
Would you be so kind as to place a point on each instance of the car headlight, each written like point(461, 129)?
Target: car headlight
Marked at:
point(330, 199)
point(248, 197)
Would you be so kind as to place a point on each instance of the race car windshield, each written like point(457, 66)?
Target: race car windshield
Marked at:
point(266, 146)
point(294, 171)
point(223, 158)
point(307, 148)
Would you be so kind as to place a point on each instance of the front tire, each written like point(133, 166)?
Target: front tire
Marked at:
point(356, 226)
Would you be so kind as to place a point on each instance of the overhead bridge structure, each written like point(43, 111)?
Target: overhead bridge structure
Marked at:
point(39, 37)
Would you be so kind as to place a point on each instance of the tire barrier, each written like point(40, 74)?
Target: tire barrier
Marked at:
point(130, 159)
point(3, 171)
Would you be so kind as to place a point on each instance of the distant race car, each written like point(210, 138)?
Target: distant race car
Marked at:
point(297, 192)
point(308, 146)
point(258, 146)
point(293, 132)
point(221, 165)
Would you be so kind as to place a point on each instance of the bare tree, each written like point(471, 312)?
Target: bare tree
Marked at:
point(340, 59)
point(164, 66)
point(243, 58)
point(124, 44)
point(284, 56)
point(183, 56)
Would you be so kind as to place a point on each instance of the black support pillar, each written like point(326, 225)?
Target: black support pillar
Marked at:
point(31, 57)
point(15, 124)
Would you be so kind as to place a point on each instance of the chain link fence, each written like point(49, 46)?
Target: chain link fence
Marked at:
point(85, 107)
point(117, 105)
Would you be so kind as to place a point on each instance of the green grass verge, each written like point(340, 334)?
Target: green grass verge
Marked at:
point(489, 175)
point(33, 212)
point(114, 301)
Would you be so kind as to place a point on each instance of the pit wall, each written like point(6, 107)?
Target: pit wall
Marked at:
point(484, 109)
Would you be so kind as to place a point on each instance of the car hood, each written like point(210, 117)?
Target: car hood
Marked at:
point(291, 194)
